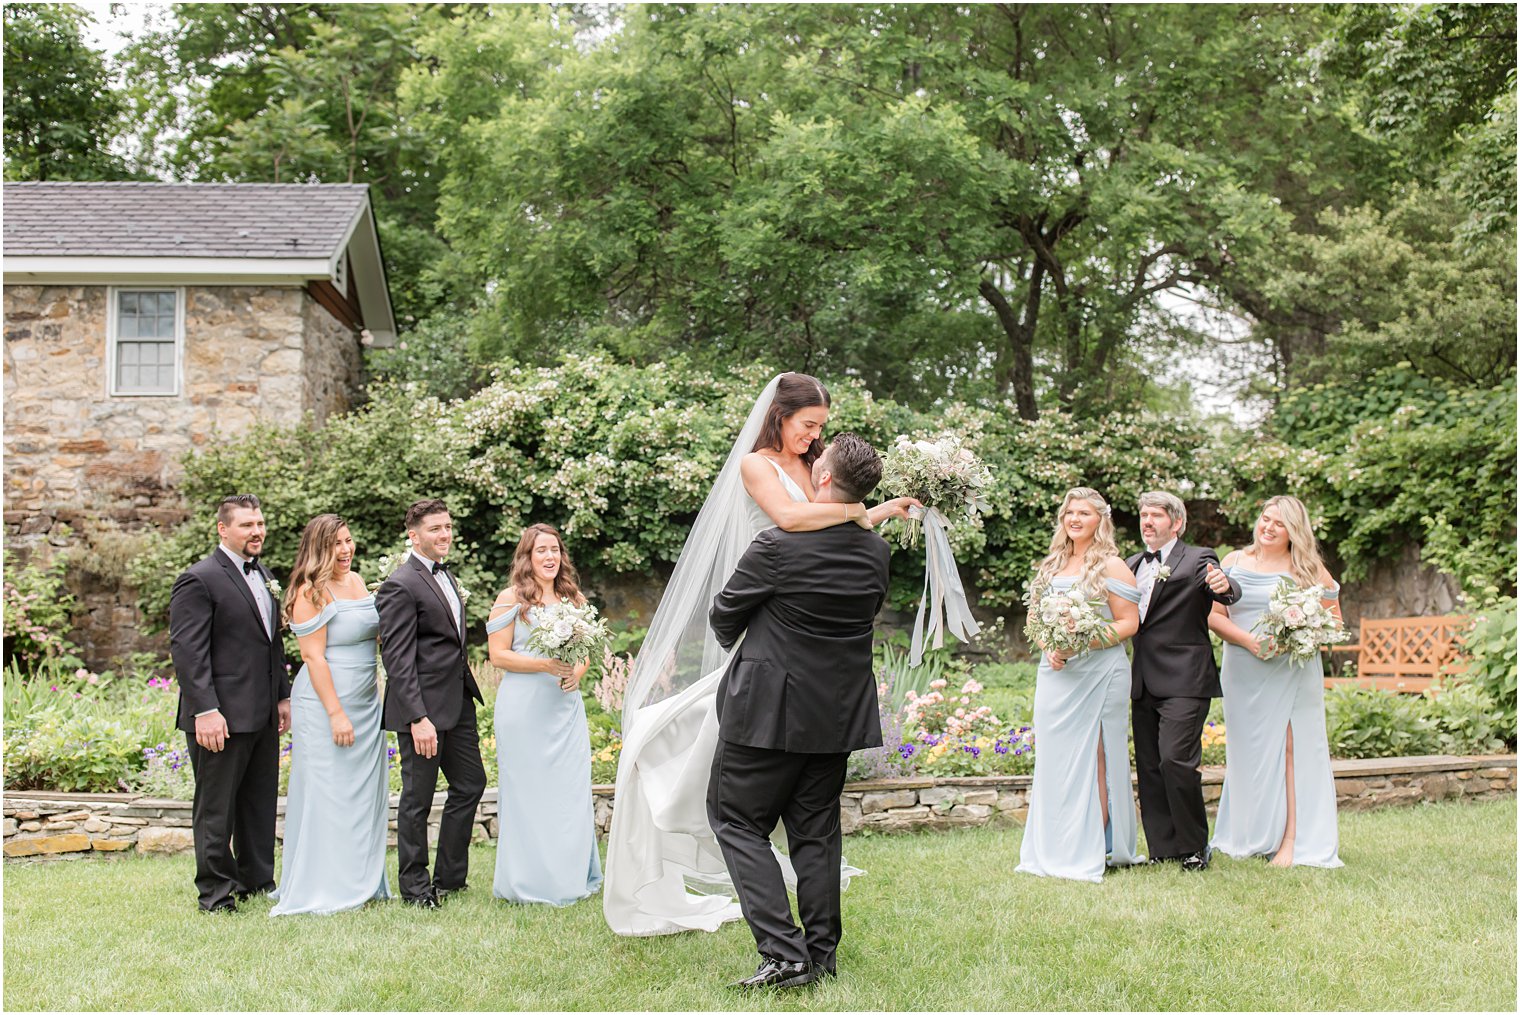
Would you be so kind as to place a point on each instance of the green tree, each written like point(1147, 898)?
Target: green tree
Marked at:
point(979, 201)
point(1438, 80)
point(295, 92)
point(61, 112)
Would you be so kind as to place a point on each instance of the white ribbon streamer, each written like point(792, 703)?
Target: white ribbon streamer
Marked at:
point(944, 598)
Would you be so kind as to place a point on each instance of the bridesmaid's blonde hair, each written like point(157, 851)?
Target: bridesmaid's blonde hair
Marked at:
point(1304, 561)
point(1062, 548)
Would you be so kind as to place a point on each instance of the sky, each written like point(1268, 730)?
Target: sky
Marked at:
point(1214, 376)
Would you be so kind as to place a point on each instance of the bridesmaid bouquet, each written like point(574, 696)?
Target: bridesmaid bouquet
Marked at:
point(1064, 620)
point(572, 634)
point(942, 473)
point(1297, 624)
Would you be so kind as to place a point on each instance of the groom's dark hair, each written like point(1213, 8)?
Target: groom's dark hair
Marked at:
point(854, 465)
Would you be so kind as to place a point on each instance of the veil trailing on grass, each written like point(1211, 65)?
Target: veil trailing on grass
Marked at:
point(660, 842)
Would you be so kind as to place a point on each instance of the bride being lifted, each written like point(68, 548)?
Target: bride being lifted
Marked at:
point(660, 845)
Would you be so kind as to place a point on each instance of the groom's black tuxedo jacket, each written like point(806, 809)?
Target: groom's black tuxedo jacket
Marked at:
point(1173, 655)
point(224, 656)
point(422, 646)
point(802, 680)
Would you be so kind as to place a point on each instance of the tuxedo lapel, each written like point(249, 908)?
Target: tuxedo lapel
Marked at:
point(236, 575)
point(458, 618)
point(443, 601)
point(1172, 563)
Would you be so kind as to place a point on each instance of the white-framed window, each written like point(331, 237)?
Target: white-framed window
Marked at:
point(145, 339)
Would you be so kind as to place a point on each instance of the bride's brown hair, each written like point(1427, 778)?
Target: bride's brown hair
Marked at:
point(567, 583)
point(794, 392)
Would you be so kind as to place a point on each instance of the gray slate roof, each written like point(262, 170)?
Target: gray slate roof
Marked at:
point(265, 220)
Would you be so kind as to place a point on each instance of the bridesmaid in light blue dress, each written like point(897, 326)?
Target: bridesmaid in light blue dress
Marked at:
point(1279, 791)
point(335, 813)
point(1081, 808)
point(546, 844)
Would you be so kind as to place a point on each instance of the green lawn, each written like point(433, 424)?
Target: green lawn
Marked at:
point(1422, 917)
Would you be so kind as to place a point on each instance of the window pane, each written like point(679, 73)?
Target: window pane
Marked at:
point(165, 326)
point(129, 303)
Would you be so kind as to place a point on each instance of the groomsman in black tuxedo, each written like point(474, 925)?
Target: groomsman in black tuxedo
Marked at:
point(798, 696)
point(428, 703)
point(234, 702)
point(1173, 678)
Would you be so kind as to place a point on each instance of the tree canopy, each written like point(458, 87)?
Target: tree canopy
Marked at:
point(1000, 203)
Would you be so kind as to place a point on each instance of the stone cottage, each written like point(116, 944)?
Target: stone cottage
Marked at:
point(142, 319)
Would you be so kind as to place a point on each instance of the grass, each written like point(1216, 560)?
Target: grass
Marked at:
point(1422, 918)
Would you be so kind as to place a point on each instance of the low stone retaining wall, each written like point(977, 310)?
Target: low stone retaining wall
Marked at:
point(78, 824)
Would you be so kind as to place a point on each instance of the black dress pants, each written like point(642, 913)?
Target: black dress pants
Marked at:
point(459, 758)
point(232, 817)
point(751, 788)
point(1168, 751)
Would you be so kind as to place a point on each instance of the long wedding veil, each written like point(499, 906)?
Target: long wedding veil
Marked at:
point(679, 649)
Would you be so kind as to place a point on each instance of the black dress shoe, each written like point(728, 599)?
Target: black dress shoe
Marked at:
point(444, 893)
point(774, 973)
point(1197, 861)
point(428, 901)
point(222, 908)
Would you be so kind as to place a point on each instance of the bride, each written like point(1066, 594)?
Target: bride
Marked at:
point(660, 842)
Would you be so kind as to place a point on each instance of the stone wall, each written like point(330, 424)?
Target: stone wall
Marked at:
point(78, 457)
point(332, 369)
point(41, 824)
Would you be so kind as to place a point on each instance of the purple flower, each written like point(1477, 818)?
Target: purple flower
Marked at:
point(906, 750)
point(1000, 747)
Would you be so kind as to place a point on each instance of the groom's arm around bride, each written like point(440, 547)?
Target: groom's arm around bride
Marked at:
point(798, 696)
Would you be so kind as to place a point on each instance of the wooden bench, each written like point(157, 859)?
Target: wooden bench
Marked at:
point(1404, 653)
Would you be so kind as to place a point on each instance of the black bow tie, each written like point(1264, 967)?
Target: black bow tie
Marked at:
point(250, 566)
point(439, 565)
point(1150, 555)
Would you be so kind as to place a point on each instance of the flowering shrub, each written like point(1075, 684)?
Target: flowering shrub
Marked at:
point(37, 615)
point(166, 773)
point(956, 716)
point(606, 746)
point(1009, 752)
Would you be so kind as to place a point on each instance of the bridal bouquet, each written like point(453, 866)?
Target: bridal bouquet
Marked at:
point(942, 473)
point(1296, 622)
point(572, 634)
point(1064, 620)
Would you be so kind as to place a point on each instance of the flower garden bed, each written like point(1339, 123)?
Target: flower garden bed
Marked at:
point(76, 824)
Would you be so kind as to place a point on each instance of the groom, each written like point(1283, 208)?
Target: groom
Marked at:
point(428, 692)
point(1173, 676)
point(798, 696)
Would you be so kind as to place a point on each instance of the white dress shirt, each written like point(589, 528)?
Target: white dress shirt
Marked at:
point(1145, 577)
point(254, 579)
point(447, 588)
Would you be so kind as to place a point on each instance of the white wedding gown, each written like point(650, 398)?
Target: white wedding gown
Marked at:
point(660, 845)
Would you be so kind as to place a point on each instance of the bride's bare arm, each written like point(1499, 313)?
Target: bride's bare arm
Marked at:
point(764, 486)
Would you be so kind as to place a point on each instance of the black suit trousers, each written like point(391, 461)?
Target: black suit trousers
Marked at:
point(1168, 751)
point(751, 788)
point(232, 817)
point(459, 758)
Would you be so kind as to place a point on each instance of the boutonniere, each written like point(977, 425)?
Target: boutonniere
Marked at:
point(1163, 573)
point(464, 594)
point(273, 586)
